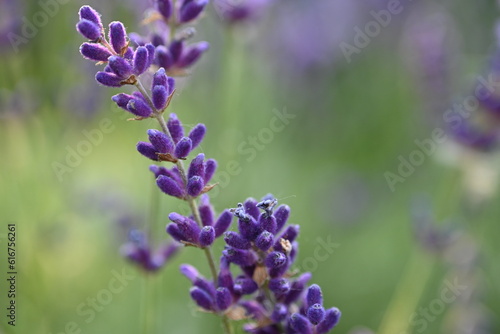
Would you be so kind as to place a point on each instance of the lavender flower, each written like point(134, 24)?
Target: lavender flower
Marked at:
point(237, 11)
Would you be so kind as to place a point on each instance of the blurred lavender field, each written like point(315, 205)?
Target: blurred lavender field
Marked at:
point(377, 121)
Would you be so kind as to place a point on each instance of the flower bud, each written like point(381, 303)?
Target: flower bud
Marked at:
point(108, 79)
point(95, 52)
point(279, 286)
point(223, 222)
point(275, 260)
point(251, 208)
point(207, 236)
point(169, 186)
point(315, 314)
point(223, 298)
point(164, 7)
point(281, 214)
point(159, 97)
point(161, 142)
point(192, 54)
point(89, 13)
point(245, 285)
point(201, 298)
point(235, 240)
point(264, 241)
point(197, 134)
point(175, 128)
point(139, 107)
point(240, 257)
point(163, 57)
point(191, 10)
point(183, 147)
point(210, 167)
point(267, 222)
point(331, 319)
point(117, 36)
point(300, 324)
point(120, 66)
point(314, 295)
point(195, 186)
point(141, 60)
point(147, 150)
point(89, 29)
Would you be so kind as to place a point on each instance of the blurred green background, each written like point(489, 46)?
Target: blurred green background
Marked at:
point(352, 120)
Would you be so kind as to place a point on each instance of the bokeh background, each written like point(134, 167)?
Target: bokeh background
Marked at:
point(396, 251)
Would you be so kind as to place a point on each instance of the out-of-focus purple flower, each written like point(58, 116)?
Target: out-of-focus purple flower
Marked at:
point(237, 11)
point(190, 10)
point(473, 136)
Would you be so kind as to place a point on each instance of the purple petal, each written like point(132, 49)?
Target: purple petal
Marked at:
point(147, 150)
point(195, 186)
point(161, 142)
point(95, 52)
point(141, 60)
point(183, 147)
point(207, 236)
point(120, 66)
point(169, 186)
point(89, 13)
point(223, 298)
point(117, 36)
point(159, 97)
point(197, 167)
point(264, 241)
point(89, 29)
point(108, 79)
point(175, 128)
point(197, 134)
point(192, 54)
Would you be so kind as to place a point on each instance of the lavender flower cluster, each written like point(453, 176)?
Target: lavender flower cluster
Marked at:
point(268, 293)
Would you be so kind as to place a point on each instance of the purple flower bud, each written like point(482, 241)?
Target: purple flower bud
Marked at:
point(120, 66)
point(191, 10)
point(281, 214)
point(139, 107)
point(170, 85)
point(147, 150)
point(161, 142)
point(175, 128)
point(225, 278)
point(279, 286)
point(151, 53)
point(169, 186)
point(206, 211)
point(117, 36)
point(159, 97)
point(89, 13)
point(300, 324)
point(187, 227)
point(174, 231)
point(195, 186)
point(240, 257)
point(314, 295)
point(197, 168)
point(315, 314)
point(332, 317)
point(279, 313)
point(275, 260)
point(298, 287)
point(249, 229)
point(201, 298)
point(136, 39)
point(223, 298)
point(245, 285)
point(163, 57)
point(251, 208)
point(192, 54)
point(254, 309)
point(122, 100)
point(108, 79)
point(129, 54)
point(210, 167)
point(235, 240)
point(190, 272)
point(164, 7)
point(95, 52)
point(141, 60)
point(183, 147)
point(207, 236)
point(290, 234)
point(175, 48)
point(264, 241)
point(223, 223)
point(89, 29)
point(160, 78)
point(267, 222)
point(197, 134)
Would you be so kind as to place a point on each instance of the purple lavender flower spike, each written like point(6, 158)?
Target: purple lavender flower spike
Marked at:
point(275, 260)
point(314, 295)
point(141, 60)
point(251, 208)
point(201, 298)
point(89, 30)
point(147, 150)
point(210, 167)
point(240, 257)
point(223, 298)
point(207, 236)
point(174, 231)
point(89, 13)
point(160, 97)
point(197, 167)
point(197, 134)
point(169, 186)
point(122, 100)
point(245, 286)
point(190, 272)
point(223, 222)
point(120, 66)
point(298, 287)
point(192, 54)
point(281, 214)
point(163, 57)
point(268, 223)
point(139, 107)
point(332, 317)
point(279, 286)
point(235, 240)
point(190, 10)
point(315, 314)
point(164, 7)
point(161, 142)
point(195, 186)
point(175, 128)
point(95, 52)
point(300, 324)
point(183, 147)
point(264, 241)
point(279, 313)
point(206, 211)
point(117, 36)
point(108, 79)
